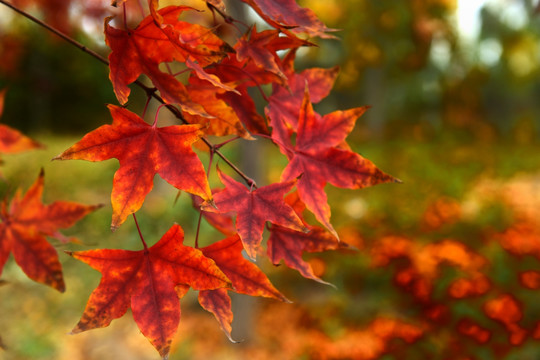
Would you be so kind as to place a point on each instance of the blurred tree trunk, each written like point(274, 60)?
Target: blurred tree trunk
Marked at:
point(251, 162)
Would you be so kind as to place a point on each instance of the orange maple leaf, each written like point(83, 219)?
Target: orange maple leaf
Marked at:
point(150, 282)
point(24, 225)
point(143, 150)
point(11, 140)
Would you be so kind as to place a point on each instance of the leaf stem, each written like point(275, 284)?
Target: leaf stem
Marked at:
point(156, 116)
point(218, 146)
point(150, 91)
point(141, 8)
point(198, 229)
point(280, 143)
point(140, 233)
point(148, 98)
point(125, 16)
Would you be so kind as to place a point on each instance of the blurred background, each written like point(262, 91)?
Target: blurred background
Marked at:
point(446, 264)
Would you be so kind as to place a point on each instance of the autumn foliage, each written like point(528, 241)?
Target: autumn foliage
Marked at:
point(210, 98)
point(220, 89)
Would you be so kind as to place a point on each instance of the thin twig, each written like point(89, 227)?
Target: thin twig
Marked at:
point(151, 92)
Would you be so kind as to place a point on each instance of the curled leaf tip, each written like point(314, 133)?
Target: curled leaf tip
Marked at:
point(209, 203)
point(76, 330)
point(326, 283)
point(234, 341)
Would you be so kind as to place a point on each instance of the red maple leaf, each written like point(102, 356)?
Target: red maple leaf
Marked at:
point(139, 51)
point(283, 109)
point(316, 155)
point(24, 225)
point(254, 208)
point(286, 14)
point(260, 47)
point(246, 278)
point(289, 245)
point(285, 102)
point(150, 282)
point(142, 150)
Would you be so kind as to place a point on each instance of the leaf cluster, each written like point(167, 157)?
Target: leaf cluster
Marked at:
point(209, 97)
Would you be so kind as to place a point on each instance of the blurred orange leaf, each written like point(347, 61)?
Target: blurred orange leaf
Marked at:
point(24, 225)
point(11, 140)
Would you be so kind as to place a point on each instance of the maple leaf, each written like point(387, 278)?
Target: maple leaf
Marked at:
point(289, 245)
point(257, 61)
point(316, 155)
point(11, 140)
point(283, 109)
point(261, 48)
point(149, 281)
point(142, 50)
point(285, 102)
point(193, 44)
point(142, 150)
point(254, 208)
point(286, 14)
point(24, 225)
point(246, 278)
point(254, 46)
